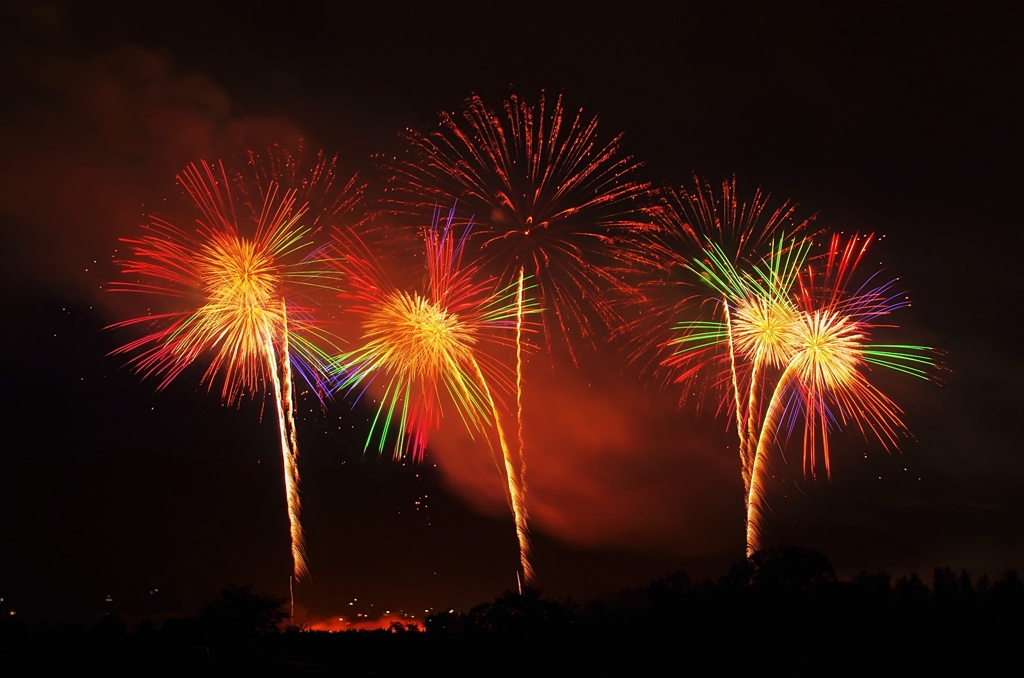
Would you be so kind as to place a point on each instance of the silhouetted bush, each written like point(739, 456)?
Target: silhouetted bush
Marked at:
point(240, 616)
point(522, 614)
point(791, 570)
point(111, 627)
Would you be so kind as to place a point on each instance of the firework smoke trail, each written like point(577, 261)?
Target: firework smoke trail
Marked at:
point(231, 292)
point(521, 528)
point(290, 451)
point(423, 345)
point(283, 405)
point(740, 429)
point(755, 498)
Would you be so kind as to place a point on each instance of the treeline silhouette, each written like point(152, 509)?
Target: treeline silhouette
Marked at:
point(783, 610)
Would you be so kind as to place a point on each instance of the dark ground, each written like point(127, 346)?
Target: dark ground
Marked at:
point(783, 613)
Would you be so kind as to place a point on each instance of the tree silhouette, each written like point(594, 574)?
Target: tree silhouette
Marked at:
point(240, 615)
point(522, 614)
point(791, 569)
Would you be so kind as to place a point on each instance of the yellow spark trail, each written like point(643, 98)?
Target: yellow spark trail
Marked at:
point(291, 472)
point(291, 456)
point(744, 462)
point(752, 412)
point(755, 499)
point(519, 377)
point(514, 488)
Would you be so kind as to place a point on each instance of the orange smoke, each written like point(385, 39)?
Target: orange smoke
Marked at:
point(84, 163)
point(613, 463)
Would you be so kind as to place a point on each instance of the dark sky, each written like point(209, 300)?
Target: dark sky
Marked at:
point(904, 121)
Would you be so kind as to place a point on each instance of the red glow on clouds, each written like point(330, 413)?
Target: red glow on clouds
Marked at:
point(610, 462)
point(86, 161)
point(384, 623)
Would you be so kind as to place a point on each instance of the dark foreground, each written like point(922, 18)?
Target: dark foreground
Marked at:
point(784, 614)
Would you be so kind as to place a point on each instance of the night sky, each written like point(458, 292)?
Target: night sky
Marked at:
point(903, 121)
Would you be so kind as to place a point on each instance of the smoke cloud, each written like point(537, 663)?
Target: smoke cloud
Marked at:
point(610, 462)
point(91, 143)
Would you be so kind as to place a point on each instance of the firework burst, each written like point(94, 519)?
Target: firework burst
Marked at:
point(551, 200)
point(793, 330)
point(432, 346)
point(826, 379)
point(241, 286)
point(749, 337)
